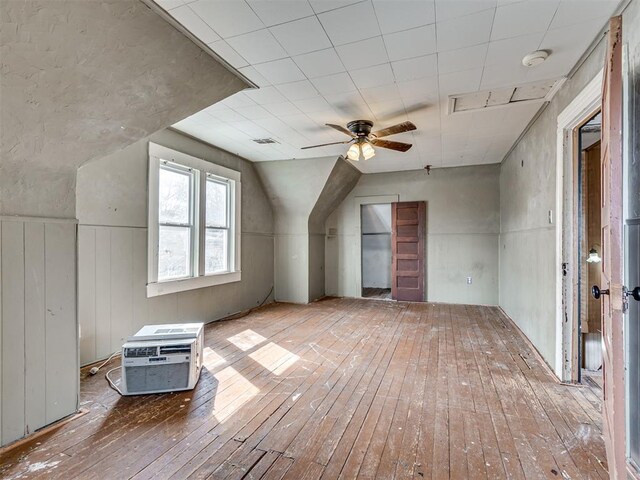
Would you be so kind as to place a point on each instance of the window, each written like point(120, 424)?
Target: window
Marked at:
point(193, 212)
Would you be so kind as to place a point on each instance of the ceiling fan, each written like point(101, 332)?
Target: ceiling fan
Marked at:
point(363, 139)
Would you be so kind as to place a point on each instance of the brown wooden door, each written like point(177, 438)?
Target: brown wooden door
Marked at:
point(408, 222)
point(612, 260)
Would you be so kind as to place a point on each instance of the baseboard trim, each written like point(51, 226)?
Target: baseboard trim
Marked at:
point(43, 431)
point(537, 354)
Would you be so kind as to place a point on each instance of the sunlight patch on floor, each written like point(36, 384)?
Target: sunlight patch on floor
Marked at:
point(211, 358)
point(274, 358)
point(234, 391)
point(246, 340)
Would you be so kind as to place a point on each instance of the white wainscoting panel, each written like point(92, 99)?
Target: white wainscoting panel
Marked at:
point(39, 341)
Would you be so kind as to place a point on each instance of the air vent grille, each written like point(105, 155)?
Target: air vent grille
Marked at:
point(264, 141)
point(171, 349)
point(466, 102)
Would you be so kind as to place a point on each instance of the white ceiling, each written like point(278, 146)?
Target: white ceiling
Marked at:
point(332, 61)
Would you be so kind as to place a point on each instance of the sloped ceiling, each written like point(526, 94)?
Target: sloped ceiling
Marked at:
point(331, 61)
point(82, 79)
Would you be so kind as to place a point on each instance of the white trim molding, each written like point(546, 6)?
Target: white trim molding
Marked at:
point(203, 168)
point(584, 105)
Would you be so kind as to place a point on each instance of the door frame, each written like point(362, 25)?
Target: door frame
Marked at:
point(581, 109)
point(358, 202)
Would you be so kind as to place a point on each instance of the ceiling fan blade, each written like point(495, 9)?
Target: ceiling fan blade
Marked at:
point(399, 146)
point(326, 144)
point(399, 128)
point(340, 129)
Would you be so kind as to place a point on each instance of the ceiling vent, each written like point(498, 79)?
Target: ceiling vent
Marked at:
point(500, 97)
point(264, 141)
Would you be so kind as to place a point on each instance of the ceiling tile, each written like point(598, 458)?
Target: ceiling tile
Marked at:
point(253, 112)
point(298, 90)
point(462, 59)
point(320, 6)
point(257, 47)
point(418, 92)
point(194, 24)
point(311, 105)
point(447, 9)
point(169, 4)
point(512, 50)
point(301, 36)
point(465, 31)
point(227, 115)
point(280, 71)
point(320, 63)
point(350, 24)
point(337, 83)
point(349, 106)
point(503, 76)
point(238, 100)
point(523, 17)
point(571, 12)
point(253, 75)
point(411, 43)
point(265, 95)
point(363, 54)
point(395, 16)
point(282, 109)
point(415, 68)
point(373, 76)
point(566, 46)
point(460, 82)
point(274, 12)
point(226, 17)
point(381, 94)
point(225, 50)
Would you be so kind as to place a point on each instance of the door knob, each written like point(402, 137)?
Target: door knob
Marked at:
point(635, 293)
point(596, 292)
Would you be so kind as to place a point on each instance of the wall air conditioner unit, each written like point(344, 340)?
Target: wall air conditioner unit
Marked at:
point(162, 358)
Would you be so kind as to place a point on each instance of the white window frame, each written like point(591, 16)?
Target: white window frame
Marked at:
point(203, 170)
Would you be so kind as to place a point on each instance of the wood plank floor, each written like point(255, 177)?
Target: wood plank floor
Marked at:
point(339, 389)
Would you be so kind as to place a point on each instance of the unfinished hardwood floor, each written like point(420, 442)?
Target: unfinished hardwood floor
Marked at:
point(341, 388)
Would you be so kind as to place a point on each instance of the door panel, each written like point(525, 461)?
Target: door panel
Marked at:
point(612, 262)
point(408, 223)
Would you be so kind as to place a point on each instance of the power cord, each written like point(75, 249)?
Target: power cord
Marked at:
point(111, 382)
point(95, 370)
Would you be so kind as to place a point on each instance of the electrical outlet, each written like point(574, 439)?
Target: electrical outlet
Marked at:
point(469, 280)
point(550, 217)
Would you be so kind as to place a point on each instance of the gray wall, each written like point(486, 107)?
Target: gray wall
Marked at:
point(527, 193)
point(78, 80)
point(112, 258)
point(462, 231)
point(303, 193)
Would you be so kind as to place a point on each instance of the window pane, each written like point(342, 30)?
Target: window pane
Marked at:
point(216, 258)
point(174, 252)
point(173, 202)
point(216, 204)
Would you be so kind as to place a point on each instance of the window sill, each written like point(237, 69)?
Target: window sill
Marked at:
point(175, 286)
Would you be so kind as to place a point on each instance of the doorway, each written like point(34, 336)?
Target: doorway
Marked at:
point(375, 221)
point(589, 251)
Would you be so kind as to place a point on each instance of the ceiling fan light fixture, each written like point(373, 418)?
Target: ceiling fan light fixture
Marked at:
point(367, 150)
point(353, 153)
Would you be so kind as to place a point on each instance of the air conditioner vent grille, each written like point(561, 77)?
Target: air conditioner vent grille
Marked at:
point(264, 141)
point(171, 349)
